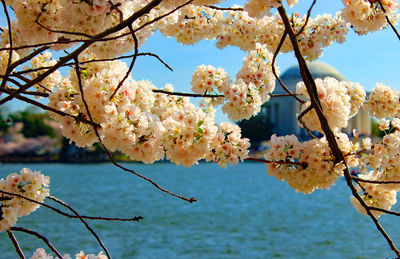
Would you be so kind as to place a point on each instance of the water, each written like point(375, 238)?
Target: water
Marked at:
point(241, 212)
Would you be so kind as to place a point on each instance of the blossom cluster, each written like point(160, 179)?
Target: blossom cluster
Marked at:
point(254, 82)
point(37, 64)
point(339, 101)
point(375, 195)
point(193, 23)
point(175, 3)
point(208, 79)
point(259, 8)
point(306, 166)
point(227, 146)
point(30, 184)
point(40, 253)
point(380, 162)
point(50, 21)
point(4, 58)
point(143, 125)
point(383, 102)
point(239, 28)
point(368, 15)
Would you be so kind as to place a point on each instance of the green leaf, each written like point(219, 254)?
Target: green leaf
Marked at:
point(85, 73)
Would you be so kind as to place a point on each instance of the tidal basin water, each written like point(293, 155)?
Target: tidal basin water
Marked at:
point(241, 212)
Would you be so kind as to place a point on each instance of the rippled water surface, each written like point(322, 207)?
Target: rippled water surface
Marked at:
point(241, 212)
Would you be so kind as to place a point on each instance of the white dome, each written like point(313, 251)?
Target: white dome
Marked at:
point(318, 70)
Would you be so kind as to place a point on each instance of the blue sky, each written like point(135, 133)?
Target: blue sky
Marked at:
point(364, 59)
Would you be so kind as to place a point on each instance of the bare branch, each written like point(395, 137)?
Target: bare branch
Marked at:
point(60, 31)
point(187, 94)
point(109, 153)
point(388, 20)
point(302, 164)
point(94, 234)
point(51, 109)
point(36, 234)
point(10, 90)
point(136, 218)
point(28, 57)
point(16, 245)
point(10, 39)
point(307, 19)
point(131, 64)
point(357, 179)
point(274, 69)
point(146, 9)
point(161, 16)
point(300, 119)
point(224, 8)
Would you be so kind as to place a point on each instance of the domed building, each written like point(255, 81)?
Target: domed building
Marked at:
point(282, 112)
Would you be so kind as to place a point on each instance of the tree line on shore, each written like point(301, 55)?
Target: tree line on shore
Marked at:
point(32, 136)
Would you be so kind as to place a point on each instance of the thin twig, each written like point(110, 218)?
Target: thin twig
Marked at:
point(157, 57)
point(51, 109)
point(10, 39)
point(187, 94)
point(60, 31)
point(302, 164)
point(192, 199)
point(36, 234)
point(10, 89)
point(161, 16)
point(16, 245)
point(86, 225)
point(29, 57)
point(388, 20)
point(300, 119)
point(274, 69)
point(308, 17)
point(224, 8)
point(283, 95)
point(136, 218)
point(131, 64)
point(391, 212)
point(357, 179)
point(92, 61)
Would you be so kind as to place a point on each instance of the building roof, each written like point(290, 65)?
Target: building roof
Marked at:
point(318, 69)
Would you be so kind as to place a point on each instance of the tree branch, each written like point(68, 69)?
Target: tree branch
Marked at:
point(388, 20)
point(339, 158)
point(108, 152)
point(307, 19)
point(16, 244)
point(302, 164)
point(10, 39)
point(36, 234)
point(135, 218)
point(274, 69)
point(146, 9)
point(131, 64)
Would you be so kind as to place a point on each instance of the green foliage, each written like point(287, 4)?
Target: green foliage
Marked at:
point(4, 123)
point(34, 123)
point(257, 129)
point(375, 131)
